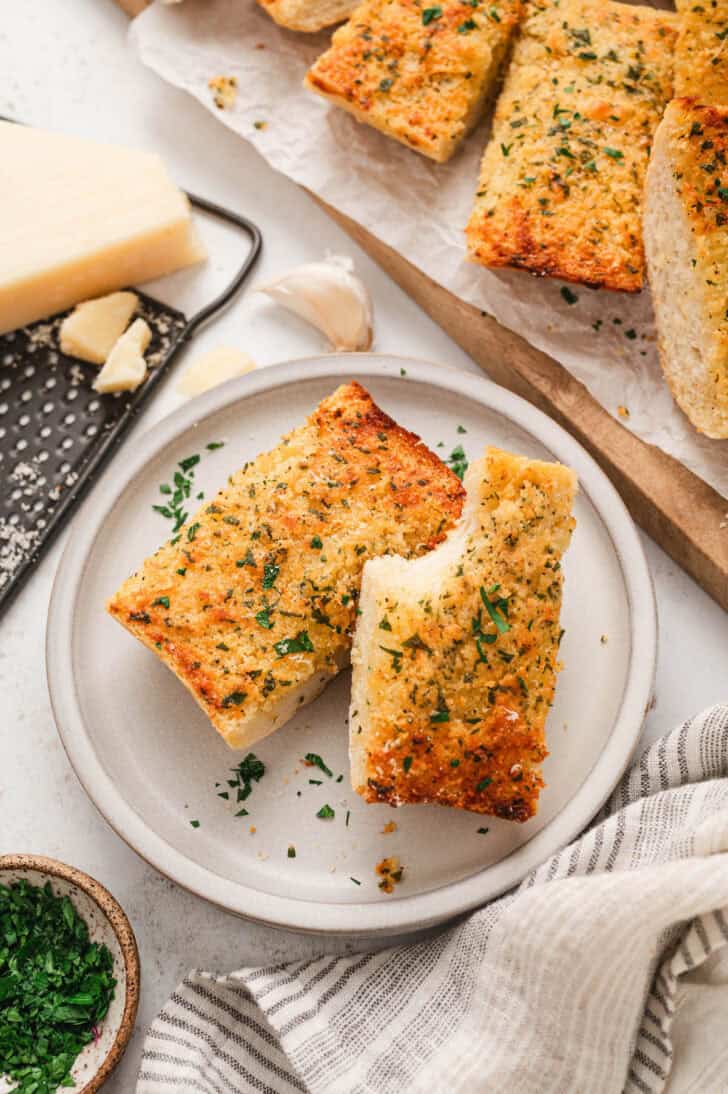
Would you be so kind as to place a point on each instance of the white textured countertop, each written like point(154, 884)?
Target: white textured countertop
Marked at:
point(66, 66)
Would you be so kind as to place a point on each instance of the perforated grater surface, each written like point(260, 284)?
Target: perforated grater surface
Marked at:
point(56, 432)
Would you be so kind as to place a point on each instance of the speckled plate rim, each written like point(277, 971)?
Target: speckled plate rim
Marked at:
point(120, 925)
point(405, 913)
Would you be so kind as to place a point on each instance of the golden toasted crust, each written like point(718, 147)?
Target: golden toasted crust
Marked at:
point(561, 181)
point(452, 686)
point(701, 58)
point(308, 15)
point(686, 237)
point(256, 598)
point(420, 74)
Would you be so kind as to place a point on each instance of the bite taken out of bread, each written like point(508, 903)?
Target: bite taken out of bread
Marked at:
point(456, 654)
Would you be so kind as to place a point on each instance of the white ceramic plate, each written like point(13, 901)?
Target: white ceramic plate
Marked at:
point(150, 761)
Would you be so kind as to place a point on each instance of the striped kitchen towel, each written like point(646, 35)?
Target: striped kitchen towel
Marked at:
point(568, 984)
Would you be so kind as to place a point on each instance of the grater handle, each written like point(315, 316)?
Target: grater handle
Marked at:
point(226, 296)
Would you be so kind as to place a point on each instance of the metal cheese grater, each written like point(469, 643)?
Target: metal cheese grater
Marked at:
point(56, 432)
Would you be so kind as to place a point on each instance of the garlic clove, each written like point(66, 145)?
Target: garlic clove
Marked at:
point(330, 297)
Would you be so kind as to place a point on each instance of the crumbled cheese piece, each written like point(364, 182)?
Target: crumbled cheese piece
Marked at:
point(391, 872)
point(390, 826)
point(16, 543)
point(93, 327)
point(213, 368)
point(125, 366)
point(623, 411)
point(224, 91)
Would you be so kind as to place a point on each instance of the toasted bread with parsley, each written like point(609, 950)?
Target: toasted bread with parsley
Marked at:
point(419, 73)
point(456, 654)
point(561, 182)
point(686, 240)
point(308, 15)
point(253, 604)
point(701, 58)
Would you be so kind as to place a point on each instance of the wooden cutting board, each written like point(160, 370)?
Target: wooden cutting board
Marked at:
point(688, 518)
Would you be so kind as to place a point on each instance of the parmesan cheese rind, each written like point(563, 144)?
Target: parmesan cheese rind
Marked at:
point(419, 74)
point(561, 182)
point(701, 58)
point(254, 606)
point(686, 240)
point(456, 654)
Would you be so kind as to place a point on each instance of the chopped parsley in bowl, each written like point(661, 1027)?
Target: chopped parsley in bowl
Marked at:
point(69, 977)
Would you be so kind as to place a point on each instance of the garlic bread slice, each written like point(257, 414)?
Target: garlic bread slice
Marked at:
point(420, 73)
point(456, 654)
point(701, 58)
point(686, 240)
point(562, 178)
point(252, 604)
point(308, 15)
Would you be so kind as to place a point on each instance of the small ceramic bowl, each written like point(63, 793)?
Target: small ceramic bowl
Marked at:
point(107, 923)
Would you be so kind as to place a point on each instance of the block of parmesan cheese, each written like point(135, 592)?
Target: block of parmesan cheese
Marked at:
point(253, 603)
point(456, 653)
point(80, 219)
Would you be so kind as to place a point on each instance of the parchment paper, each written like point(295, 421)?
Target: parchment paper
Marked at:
point(606, 339)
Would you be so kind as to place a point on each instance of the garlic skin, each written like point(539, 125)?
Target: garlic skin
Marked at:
point(331, 297)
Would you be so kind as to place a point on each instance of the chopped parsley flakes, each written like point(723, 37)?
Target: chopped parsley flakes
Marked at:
point(56, 986)
point(300, 644)
point(250, 770)
point(312, 759)
point(457, 461)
